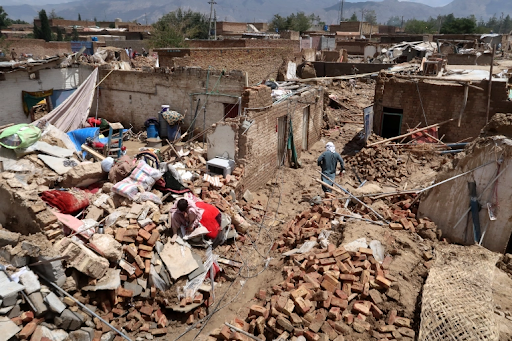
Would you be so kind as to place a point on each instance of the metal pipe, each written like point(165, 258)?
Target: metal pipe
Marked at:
point(359, 201)
point(242, 332)
point(83, 306)
point(455, 177)
point(453, 151)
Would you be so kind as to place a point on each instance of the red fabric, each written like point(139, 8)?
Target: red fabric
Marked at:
point(93, 122)
point(65, 201)
point(209, 219)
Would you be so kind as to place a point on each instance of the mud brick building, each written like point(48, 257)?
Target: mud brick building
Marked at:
point(262, 147)
point(399, 101)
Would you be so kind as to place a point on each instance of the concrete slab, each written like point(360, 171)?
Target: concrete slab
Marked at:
point(134, 287)
point(30, 281)
point(9, 288)
point(52, 150)
point(178, 263)
point(38, 302)
point(8, 328)
point(110, 281)
point(60, 165)
point(54, 303)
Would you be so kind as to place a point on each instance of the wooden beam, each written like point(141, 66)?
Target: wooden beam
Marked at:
point(409, 134)
point(94, 153)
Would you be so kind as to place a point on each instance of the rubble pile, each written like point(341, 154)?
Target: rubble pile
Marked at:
point(141, 62)
point(328, 293)
point(114, 257)
point(387, 163)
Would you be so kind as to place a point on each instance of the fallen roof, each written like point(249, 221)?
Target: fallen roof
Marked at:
point(6, 67)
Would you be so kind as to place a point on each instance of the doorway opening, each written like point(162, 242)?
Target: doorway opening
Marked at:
point(391, 122)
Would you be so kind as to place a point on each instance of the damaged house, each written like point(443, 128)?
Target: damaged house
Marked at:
point(403, 101)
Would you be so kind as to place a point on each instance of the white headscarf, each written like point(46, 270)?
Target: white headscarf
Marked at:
point(330, 147)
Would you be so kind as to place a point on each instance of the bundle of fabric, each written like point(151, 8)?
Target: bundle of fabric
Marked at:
point(142, 178)
point(211, 218)
point(172, 117)
point(121, 169)
point(68, 202)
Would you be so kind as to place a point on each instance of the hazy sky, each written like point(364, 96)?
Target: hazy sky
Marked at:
point(42, 2)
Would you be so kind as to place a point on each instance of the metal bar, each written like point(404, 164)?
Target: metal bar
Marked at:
point(359, 201)
point(351, 216)
point(242, 332)
point(84, 307)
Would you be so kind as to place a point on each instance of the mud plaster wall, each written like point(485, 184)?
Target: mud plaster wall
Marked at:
point(223, 141)
point(38, 47)
point(11, 108)
point(259, 63)
point(441, 101)
point(131, 97)
point(446, 203)
point(258, 148)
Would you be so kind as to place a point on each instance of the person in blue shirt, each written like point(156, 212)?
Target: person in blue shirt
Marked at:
point(328, 161)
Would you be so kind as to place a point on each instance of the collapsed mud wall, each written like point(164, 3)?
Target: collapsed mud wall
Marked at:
point(448, 203)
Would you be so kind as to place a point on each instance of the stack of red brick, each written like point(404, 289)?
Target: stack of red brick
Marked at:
point(330, 293)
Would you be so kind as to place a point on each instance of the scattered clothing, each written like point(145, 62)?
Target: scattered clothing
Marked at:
point(68, 202)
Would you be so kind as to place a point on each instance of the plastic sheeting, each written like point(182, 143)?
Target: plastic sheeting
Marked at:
point(73, 112)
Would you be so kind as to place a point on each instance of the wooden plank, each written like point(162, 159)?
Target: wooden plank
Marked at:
point(94, 153)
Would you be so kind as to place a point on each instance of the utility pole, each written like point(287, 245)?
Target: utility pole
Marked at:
point(361, 23)
point(215, 23)
point(146, 18)
point(211, 2)
point(342, 3)
point(501, 22)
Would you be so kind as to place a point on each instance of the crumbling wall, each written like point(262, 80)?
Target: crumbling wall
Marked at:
point(259, 63)
point(11, 110)
point(259, 146)
point(333, 69)
point(21, 210)
point(38, 47)
point(441, 101)
point(131, 97)
point(447, 203)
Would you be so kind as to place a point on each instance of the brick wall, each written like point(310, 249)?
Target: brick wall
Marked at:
point(332, 69)
point(441, 101)
point(136, 45)
point(64, 22)
point(224, 26)
point(352, 47)
point(259, 63)
point(293, 35)
point(258, 148)
point(38, 47)
point(131, 97)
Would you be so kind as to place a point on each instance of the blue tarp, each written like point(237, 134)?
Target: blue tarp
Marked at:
point(79, 136)
point(60, 96)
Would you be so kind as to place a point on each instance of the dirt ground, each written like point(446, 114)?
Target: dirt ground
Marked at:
point(290, 193)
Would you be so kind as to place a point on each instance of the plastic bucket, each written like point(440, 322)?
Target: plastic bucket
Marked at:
point(151, 130)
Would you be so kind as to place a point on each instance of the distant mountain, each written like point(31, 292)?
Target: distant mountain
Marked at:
point(256, 10)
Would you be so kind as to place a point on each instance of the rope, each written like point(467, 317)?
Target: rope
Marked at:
point(421, 103)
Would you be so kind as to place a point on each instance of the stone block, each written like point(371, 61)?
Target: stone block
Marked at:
point(8, 328)
point(54, 271)
point(68, 320)
point(8, 238)
point(108, 246)
point(133, 287)
point(38, 302)
point(31, 282)
point(79, 335)
point(81, 258)
point(54, 303)
point(32, 249)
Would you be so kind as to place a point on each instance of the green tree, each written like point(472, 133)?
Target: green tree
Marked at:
point(4, 19)
point(507, 25)
point(74, 34)
point(79, 17)
point(354, 17)
point(415, 26)
point(296, 22)
point(172, 29)
point(43, 32)
point(452, 25)
point(95, 20)
point(59, 34)
point(370, 17)
point(278, 23)
point(394, 21)
point(53, 15)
